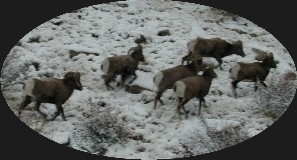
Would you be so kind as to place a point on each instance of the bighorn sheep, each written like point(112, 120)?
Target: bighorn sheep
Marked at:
point(214, 47)
point(55, 91)
point(196, 86)
point(165, 79)
point(254, 72)
point(123, 65)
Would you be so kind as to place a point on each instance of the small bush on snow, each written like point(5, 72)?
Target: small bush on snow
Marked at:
point(211, 136)
point(194, 141)
point(102, 129)
point(278, 95)
point(11, 73)
point(227, 136)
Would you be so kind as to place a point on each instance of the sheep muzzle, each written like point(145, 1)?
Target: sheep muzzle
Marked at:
point(78, 86)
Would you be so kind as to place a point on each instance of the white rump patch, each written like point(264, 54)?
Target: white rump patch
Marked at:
point(158, 78)
point(234, 71)
point(105, 66)
point(29, 85)
point(180, 88)
point(191, 45)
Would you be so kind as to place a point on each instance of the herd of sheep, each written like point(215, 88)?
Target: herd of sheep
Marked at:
point(183, 79)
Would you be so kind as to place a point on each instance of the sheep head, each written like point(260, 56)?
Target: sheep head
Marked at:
point(73, 78)
point(237, 48)
point(138, 55)
point(209, 72)
point(269, 61)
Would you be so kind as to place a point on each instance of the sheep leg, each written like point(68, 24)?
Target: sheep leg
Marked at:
point(158, 98)
point(256, 85)
point(204, 103)
point(178, 110)
point(178, 106)
point(155, 103)
point(263, 84)
point(220, 62)
point(59, 110)
point(109, 86)
point(37, 105)
point(24, 104)
point(107, 81)
point(234, 84)
point(181, 105)
point(123, 78)
point(201, 100)
point(135, 76)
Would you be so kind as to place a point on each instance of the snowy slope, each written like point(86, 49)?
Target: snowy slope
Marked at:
point(110, 29)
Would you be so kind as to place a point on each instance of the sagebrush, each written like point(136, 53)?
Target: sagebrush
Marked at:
point(100, 130)
point(278, 95)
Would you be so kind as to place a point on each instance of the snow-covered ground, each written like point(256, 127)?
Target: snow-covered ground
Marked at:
point(120, 124)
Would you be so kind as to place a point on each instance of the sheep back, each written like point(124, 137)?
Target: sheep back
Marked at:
point(166, 78)
point(248, 71)
point(196, 86)
point(118, 64)
point(50, 91)
point(214, 47)
point(210, 47)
